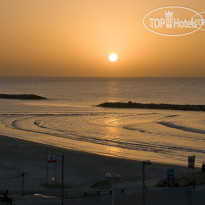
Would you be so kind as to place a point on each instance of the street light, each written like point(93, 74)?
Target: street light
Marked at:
point(22, 186)
point(112, 177)
point(143, 178)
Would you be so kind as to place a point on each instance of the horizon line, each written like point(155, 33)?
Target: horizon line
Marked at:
point(102, 76)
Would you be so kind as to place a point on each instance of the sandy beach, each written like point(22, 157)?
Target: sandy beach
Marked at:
point(82, 170)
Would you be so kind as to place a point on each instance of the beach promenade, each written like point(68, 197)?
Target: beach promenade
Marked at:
point(82, 171)
point(168, 196)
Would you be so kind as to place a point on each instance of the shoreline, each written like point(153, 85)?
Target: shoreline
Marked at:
point(82, 169)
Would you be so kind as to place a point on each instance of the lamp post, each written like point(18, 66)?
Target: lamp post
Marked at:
point(22, 185)
point(112, 177)
point(143, 178)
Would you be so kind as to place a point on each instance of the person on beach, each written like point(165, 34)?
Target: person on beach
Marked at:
point(203, 167)
point(7, 199)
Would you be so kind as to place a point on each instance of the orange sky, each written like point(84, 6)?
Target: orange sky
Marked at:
point(75, 37)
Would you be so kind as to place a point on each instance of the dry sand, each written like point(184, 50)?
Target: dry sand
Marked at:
point(81, 169)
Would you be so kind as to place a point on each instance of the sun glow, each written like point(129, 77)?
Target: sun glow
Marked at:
point(113, 57)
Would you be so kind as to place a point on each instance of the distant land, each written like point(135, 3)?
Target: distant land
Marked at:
point(22, 96)
point(152, 106)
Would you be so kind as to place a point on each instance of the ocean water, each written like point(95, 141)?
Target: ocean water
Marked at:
point(70, 119)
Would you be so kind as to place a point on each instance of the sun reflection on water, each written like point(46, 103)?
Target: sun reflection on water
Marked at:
point(113, 91)
point(112, 133)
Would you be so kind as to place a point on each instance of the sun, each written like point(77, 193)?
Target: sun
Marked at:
point(113, 57)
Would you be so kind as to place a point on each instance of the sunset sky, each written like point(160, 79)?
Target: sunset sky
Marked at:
point(75, 38)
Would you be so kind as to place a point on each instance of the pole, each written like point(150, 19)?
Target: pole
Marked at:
point(22, 190)
point(62, 179)
point(55, 175)
point(47, 169)
point(113, 191)
point(143, 182)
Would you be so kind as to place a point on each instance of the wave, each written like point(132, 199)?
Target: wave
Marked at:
point(40, 125)
point(180, 127)
point(135, 129)
point(137, 145)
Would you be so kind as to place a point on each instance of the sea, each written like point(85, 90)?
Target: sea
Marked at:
point(70, 119)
